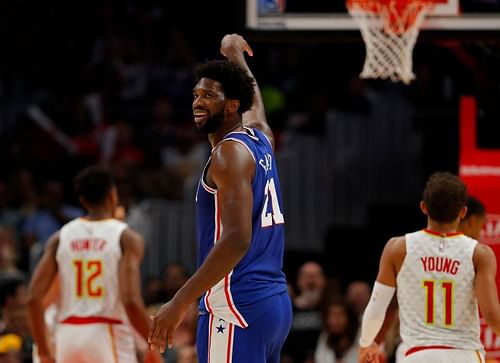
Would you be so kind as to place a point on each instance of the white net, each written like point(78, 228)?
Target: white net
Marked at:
point(389, 33)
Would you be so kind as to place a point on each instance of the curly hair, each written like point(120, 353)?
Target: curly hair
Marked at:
point(235, 81)
point(445, 194)
point(94, 183)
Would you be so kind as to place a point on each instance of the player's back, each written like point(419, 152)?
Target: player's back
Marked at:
point(88, 256)
point(435, 291)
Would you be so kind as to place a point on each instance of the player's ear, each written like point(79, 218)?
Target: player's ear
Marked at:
point(233, 106)
point(423, 208)
point(463, 212)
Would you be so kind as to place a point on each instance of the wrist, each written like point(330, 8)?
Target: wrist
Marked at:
point(364, 343)
point(181, 299)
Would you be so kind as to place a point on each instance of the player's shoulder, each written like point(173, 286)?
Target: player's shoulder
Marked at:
point(483, 253)
point(131, 239)
point(396, 246)
point(230, 153)
point(131, 234)
point(396, 242)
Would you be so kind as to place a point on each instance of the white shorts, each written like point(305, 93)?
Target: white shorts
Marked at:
point(444, 356)
point(95, 343)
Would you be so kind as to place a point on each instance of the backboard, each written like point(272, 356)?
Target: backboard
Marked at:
point(450, 15)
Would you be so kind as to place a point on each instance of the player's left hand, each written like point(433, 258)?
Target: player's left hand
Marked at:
point(369, 354)
point(233, 46)
point(165, 322)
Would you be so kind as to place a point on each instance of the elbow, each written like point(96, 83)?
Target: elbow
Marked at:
point(242, 243)
point(33, 298)
point(132, 306)
point(238, 239)
point(128, 299)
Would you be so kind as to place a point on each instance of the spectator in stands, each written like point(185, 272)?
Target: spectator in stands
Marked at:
point(306, 324)
point(357, 295)
point(337, 342)
point(22, 191)
point(187, 157)
point(175, 275)
point(15, 341)
point(153, 291)
point(8, 253)
point(52, 213)
point(9, 217)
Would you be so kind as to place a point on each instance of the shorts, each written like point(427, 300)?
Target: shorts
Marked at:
point(445, 356)
point(95, 343)
point(221, 342)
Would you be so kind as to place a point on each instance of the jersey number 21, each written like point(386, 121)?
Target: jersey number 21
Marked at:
point(275, 214)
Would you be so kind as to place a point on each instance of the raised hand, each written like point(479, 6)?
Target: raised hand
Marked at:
point(233, 47)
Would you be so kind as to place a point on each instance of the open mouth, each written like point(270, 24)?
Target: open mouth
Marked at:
point(200, 116)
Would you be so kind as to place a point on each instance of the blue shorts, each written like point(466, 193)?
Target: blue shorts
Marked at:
point(221, 342)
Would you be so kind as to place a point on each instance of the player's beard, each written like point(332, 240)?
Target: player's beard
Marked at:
point(212, 123)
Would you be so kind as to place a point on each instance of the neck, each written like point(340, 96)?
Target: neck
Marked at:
point(443, 227)
point(99, 213)
point(215, 137)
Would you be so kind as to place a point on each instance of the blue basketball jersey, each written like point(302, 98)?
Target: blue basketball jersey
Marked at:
point(259, 274)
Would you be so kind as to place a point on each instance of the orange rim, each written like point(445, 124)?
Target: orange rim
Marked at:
point(399, 10)
point(400, 5)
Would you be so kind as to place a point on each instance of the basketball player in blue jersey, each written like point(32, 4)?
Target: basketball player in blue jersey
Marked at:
point(245, 311)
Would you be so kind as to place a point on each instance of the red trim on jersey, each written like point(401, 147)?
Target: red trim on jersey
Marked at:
point(78, 320)
point(229, 343)
point(216, 237)
point(438, 234)
point(210, 327)
point(207, 304)
point(217, 220)
point(208, 188)
point(230, 304)
point(418, 349)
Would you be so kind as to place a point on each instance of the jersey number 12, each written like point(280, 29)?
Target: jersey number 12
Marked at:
point(87, 271)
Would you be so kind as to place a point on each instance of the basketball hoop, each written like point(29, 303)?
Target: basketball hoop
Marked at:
point(389, 29)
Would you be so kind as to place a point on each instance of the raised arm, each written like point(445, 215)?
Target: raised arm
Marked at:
point(485, 285)
point(40, 283)
point(233, 47)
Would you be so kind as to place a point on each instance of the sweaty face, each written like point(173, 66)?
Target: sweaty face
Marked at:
point(208, 105)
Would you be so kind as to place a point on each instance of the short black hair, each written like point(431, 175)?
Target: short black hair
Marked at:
point(474, 207)
point(94, 183)
point(235, 81)
point(9, 286)
point(444, 196)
